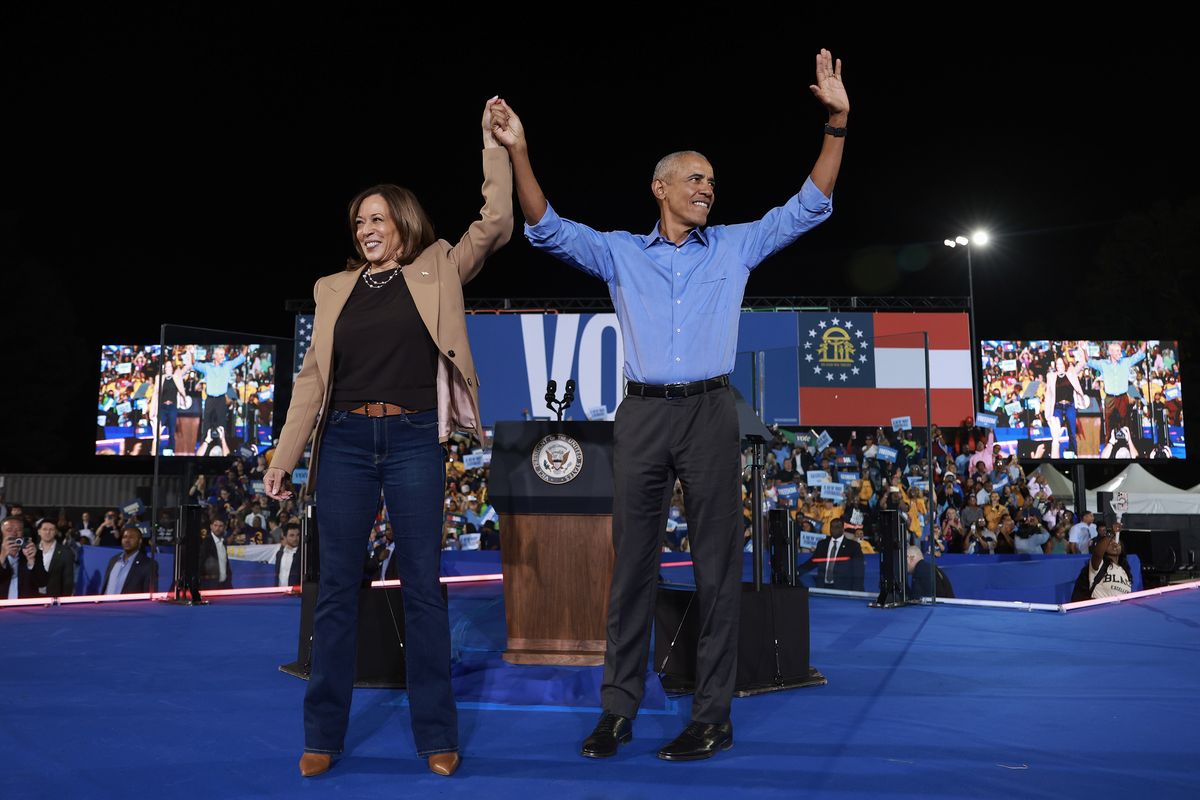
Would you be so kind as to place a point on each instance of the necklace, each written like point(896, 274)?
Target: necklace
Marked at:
point(375, 283)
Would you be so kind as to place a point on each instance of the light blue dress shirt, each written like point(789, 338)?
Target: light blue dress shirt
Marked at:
point(678, 306)
point(1116, 374)
point(216, 376)
point(120, 571)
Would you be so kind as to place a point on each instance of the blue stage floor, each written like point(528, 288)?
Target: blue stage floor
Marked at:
point(147, 699)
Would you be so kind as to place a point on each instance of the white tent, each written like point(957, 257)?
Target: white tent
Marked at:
point(1147, 494)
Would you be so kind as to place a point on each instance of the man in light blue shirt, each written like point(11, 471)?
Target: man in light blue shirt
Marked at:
point(217, 377)
point(1117, 373)
point(130, 571)
point(677, 292)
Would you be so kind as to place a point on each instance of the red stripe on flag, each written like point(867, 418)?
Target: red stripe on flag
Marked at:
point(947, 331)
point(879, 406)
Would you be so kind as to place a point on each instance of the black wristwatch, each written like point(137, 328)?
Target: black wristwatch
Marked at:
point(832, 131)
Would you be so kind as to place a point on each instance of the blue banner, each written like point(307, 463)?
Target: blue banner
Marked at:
point(516, 354)
point(886, 454)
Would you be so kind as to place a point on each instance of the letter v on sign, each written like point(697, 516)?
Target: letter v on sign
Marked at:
point(562, 363)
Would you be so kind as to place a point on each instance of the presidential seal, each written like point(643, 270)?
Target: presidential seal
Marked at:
point(557, 458)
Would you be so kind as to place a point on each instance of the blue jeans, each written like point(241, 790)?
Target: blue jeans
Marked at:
point(168, 414)
point(1066, 416)
point(359, 456)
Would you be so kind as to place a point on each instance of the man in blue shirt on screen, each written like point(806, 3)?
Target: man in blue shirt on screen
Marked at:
point(678, 292)
point(1117, 373)
point(217, 377)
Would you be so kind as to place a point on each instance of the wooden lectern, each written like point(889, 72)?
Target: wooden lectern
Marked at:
point(555, 538)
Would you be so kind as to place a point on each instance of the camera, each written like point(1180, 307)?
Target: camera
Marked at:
point(20, 543)
point(1119, 435)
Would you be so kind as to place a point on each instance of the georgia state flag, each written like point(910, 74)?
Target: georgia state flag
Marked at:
point(869, 368)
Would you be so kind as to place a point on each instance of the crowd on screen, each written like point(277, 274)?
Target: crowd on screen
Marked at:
point(1046, 386)
point(204, 395)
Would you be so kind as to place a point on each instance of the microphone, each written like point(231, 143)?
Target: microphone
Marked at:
point(551, 391)
point(569, 396)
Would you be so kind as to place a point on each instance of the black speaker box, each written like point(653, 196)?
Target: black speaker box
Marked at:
point(1160, 551)
point(781, 533)
point(380, 662)
point(772, 640)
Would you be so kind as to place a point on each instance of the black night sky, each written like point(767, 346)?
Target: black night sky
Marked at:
point(195, 168)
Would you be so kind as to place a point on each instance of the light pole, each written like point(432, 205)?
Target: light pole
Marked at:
point(978, 238)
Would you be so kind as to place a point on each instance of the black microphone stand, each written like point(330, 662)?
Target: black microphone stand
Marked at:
point(556, 405)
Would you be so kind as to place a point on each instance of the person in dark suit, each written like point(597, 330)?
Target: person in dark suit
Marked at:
point(16, 572)
point(838, 561)
point(928, 580)
point(215, 570)
point(288, 556)
point(131, 571)
point(54, 564)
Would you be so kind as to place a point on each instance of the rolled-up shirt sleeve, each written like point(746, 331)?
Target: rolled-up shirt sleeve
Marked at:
point(782, 225)
point(576, 244)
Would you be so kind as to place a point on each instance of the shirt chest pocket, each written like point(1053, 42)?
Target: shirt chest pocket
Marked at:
point(710, 296)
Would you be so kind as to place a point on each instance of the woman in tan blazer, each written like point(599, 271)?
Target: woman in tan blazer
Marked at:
point(387, 377)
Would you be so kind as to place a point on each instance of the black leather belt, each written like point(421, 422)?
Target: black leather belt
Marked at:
point(673, 391)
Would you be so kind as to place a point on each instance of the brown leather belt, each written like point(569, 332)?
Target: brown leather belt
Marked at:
point(383, 410)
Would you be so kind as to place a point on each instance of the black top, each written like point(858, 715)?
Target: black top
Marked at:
point(1063, 391)
point(170, 392)
point(382, 351)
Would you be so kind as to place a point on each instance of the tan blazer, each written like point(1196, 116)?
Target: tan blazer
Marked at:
point(435, 280)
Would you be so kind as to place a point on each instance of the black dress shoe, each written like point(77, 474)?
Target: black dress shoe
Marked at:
point(610, 732)
point(699, 740)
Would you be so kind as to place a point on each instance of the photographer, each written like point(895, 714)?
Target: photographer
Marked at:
point(979, 540)
point(1106, 574)
point(1031, 536)
point(954, 536)
point(108, 532)
point(1006, 536)
point(1120, 444)
point(16, 561)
